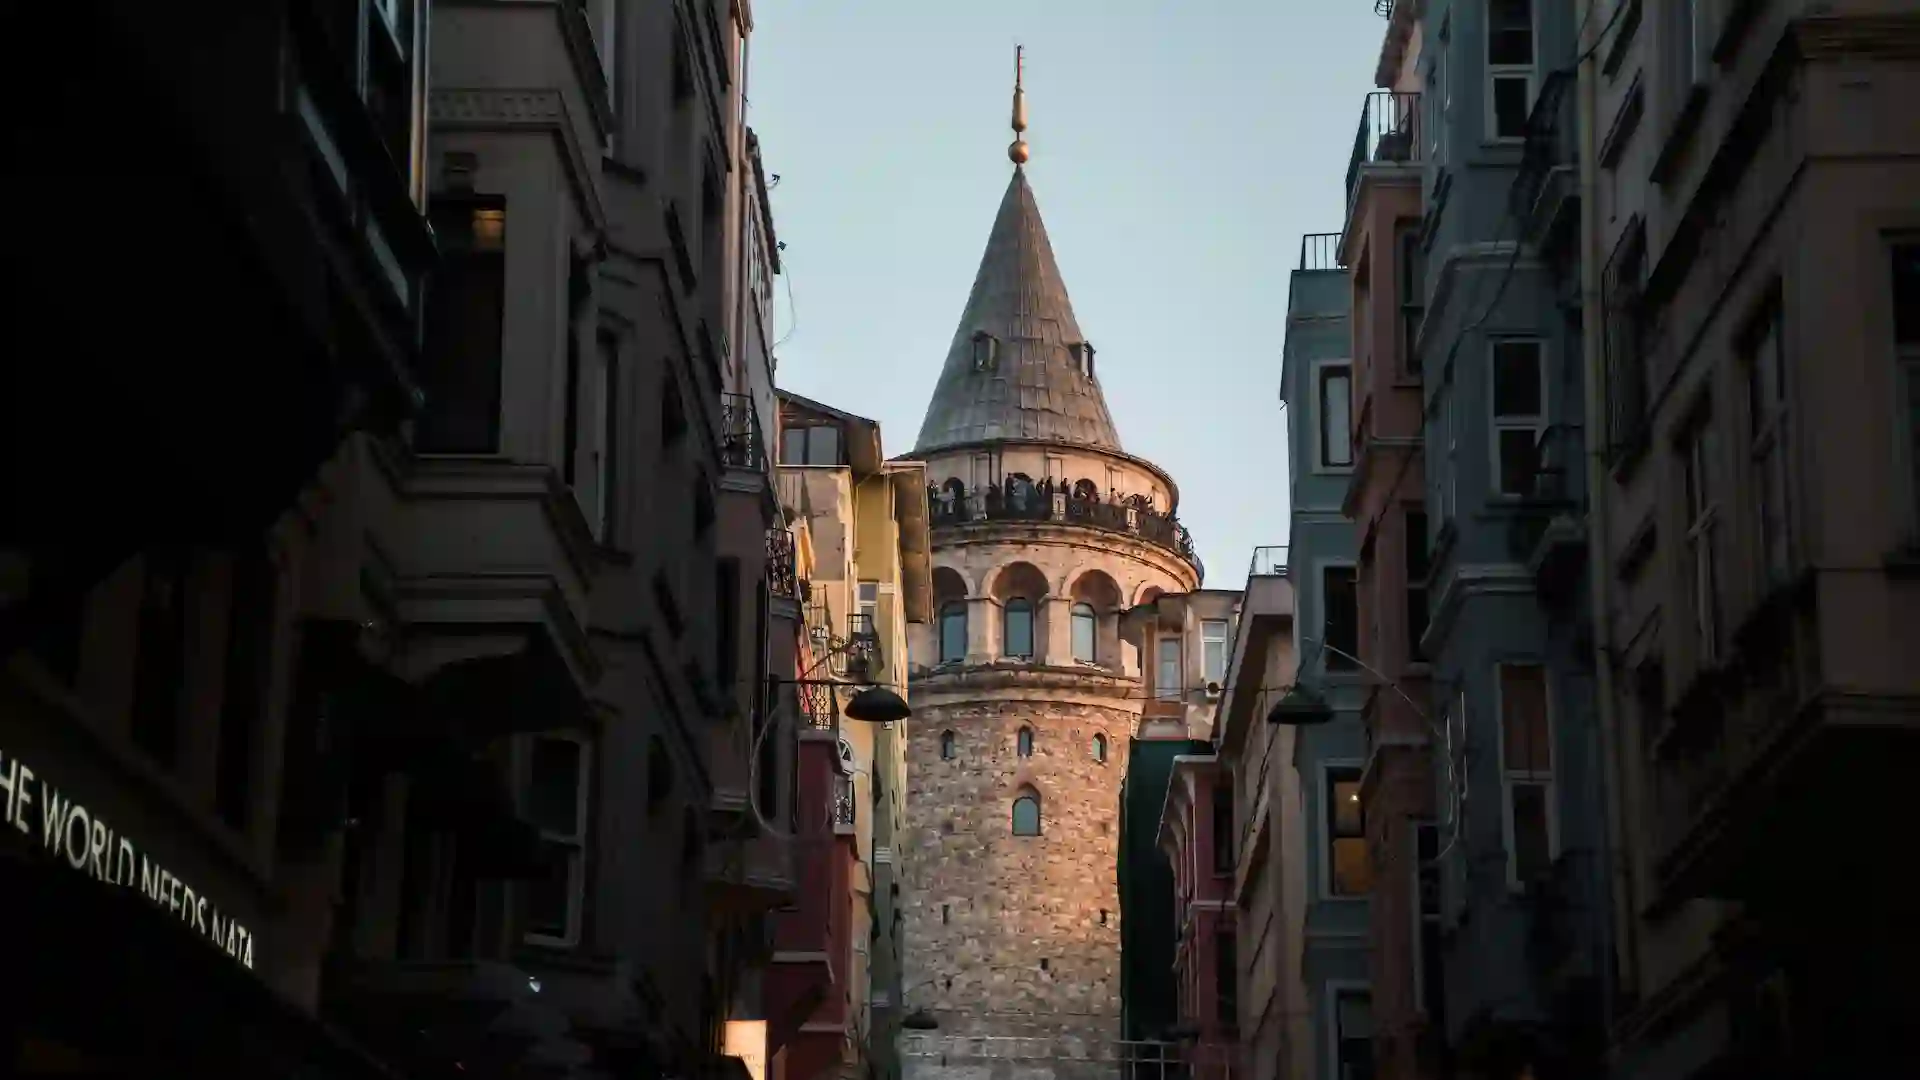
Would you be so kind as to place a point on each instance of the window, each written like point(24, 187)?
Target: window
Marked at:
point(1348, 871)
point(1353, 1034)
point(1016, 623)
point(953, 632)
point(1438, 95)
point(161, 652)
point(1419, 564)
point(867, 618)
point(1083, 358)
point(1519, 415)
point(1449, 485)
point(1023, 742)
point(1340, 617)
point(1622, 281)
point(1526, 756)
point(1213, 650)
point(1906, 336)
point(1026, 814)
point(1100, 748)
point(1226, 980)
point(1767, 426)
point(1429, 980)
point(984, 348)
point(1689, 43)
point(1413, 295)
point(1336, 416)
point(1223, 831)
point(1166, 681)
point(1509, 67)
point(1085, 633)
point(1702, 511)
point(816, 444)
point(460, 351)
point(607, 394)
point(946, 746)
point(556, 805)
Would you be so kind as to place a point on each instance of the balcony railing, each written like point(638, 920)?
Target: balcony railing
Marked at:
point(1133, 514)
point(843, 802)
point(1389, 134)
point(1321, 251)
point(1268, 561)
point(783, 576)
point(816, 705)
point(741, 446)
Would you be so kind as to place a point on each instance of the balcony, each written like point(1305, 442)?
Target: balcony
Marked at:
point(1388, 136)
point(1268, 561)
point(1322, 251)
point(1545, 196)
point(953, 506)
point(817, 709)
point(741, 444)
point(783, 578)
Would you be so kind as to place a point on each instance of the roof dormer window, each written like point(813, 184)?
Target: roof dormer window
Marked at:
point(984, 350)
point(1083, 357)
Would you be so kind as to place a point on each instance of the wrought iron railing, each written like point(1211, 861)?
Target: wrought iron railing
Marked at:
point(816, 705)
point(1269, 560)
point(1389, 133)
point(741, 446)
point(1081, 505)
point(783, 577)
point(1321, 251)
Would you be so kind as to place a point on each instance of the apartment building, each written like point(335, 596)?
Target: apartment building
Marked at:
point(835, 977)
point(1329, 758)
point(1751, 267)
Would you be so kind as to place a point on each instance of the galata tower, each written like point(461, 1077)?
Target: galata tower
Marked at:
point(1044, 532)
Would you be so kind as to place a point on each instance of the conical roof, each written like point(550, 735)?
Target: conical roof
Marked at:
point(1028, 384)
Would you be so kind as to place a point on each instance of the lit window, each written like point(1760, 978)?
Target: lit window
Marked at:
point(1519, 415)
point(555, 802)
point(1348, 871)
point(1526, 754)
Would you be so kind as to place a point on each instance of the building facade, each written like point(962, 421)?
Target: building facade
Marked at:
point(1751, 244)
point(837, 952)
point(1044, 530)
point(1150, 1007)
point(1322, 560)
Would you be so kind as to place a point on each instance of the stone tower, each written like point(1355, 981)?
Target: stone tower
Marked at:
point(1044, 531)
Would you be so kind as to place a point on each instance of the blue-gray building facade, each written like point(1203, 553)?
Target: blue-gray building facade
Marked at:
point(1315, 384)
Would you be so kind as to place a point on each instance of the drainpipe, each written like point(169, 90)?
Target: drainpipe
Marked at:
point(1620, 925)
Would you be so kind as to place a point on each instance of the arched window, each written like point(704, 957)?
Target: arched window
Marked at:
point(1085, 633)
point(1026, 814)
point(953, 632)
point(1085, 489)
point(946, 746)
point(1023, 743)
point(1017, 627)
point(1100, 748)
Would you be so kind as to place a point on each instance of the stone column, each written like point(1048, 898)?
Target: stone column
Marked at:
point(983, 630)
point(1057, 625)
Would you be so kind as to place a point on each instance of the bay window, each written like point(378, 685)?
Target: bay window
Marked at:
point(1527, 774)
point(1519, 415)
point(1334, 399)
point(1510, 67)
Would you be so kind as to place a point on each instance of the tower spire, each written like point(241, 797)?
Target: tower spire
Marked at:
point(1018, 153)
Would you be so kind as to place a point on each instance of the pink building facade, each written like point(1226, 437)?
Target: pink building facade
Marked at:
point(1196, 833)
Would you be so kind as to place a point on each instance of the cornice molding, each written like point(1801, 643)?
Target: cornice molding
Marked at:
point(530, 110)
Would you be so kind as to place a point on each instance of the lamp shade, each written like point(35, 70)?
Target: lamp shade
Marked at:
point(920, 1020)
point(877, 705)
point(1300, 707)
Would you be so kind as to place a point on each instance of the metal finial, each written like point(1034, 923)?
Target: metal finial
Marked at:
point(1018, 153)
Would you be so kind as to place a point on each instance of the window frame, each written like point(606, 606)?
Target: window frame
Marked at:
point(1023, 742)
point(1323, 371)
point(1439, 91)
point(985, 351)
point(1700, 513)
point(1100, 747)
point(1027, 794)
point(949, 745)
point(1079, 615)
point(1528, 71)
point(1327, 824)
point(1336, 990)
point(1165, 689)
point(1426, 919)
point(1410, 282)
point(1769, 441)
point(952, 610)
point(1535, 422)
point(577, 859)
point(1023, 606)
point(1510, 777)
point(1329, 662)
point(1906, 379)
point(1207, 643)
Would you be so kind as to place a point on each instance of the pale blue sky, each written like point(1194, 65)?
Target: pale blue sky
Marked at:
point(1180, 149)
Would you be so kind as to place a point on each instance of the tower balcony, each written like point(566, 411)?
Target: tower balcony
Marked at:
point(954, 506)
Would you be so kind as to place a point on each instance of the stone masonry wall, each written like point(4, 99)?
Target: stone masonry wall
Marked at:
point(985, 908)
